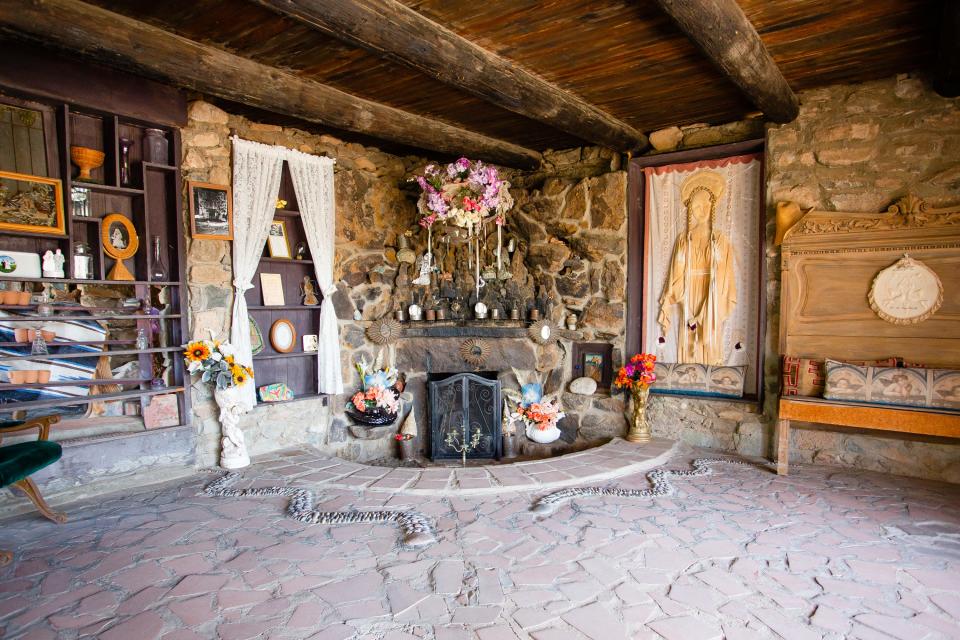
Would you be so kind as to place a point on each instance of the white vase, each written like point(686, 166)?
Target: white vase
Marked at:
point(545, 436)
point(233, 403)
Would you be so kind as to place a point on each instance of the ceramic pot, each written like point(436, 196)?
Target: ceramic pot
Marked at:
point(545, 436)
point(23, 335)
point(43, 376)
point(23, 298)
point(48, 336)
point(639, 427)
point(9, 297)
point(31, 377)
point(16, 377)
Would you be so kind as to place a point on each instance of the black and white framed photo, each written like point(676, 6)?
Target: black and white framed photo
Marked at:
point(277, 242)
point(211, 211)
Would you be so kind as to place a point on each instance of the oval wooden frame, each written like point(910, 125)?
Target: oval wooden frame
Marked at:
point(273, 336)
point(109, 249)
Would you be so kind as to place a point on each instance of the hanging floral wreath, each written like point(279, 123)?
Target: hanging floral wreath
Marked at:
point(463, 194)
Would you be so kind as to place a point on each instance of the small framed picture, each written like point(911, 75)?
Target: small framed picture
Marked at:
point(310, 342)
point(31, 203)
point(271, 285)
point(594, 360)
point(277, 241)
point(211, 211)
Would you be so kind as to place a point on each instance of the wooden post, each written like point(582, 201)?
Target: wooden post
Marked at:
point(93, 32)
point(722, 31)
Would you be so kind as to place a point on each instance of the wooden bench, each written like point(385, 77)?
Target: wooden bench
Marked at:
point(930, 422)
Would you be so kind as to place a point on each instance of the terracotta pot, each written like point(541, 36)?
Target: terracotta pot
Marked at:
point(22, 335)
point(9, 297)
point(43, 376)
point(48, 336)
point(16, 377)
point(23, 298)
point(31, 377)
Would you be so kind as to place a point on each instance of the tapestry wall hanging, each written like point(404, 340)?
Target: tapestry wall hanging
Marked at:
point(702, 253)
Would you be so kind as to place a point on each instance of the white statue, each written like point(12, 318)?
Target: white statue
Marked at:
point(53, 264)
point(425, 268)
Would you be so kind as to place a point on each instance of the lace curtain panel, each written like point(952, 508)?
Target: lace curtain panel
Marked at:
point(313, 184)
point(256, 181)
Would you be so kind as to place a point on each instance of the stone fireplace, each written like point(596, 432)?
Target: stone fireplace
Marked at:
point(465, 411)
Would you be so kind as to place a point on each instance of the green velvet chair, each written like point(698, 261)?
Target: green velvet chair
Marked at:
point(18, 461)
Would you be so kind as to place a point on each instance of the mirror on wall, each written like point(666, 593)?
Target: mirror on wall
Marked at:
point(25, 145)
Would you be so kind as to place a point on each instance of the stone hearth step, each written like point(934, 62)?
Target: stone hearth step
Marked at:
point(615, 459)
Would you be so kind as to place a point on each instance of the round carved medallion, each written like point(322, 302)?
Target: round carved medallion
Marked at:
point(906, 292)
point(384, 331)
point(474, 351)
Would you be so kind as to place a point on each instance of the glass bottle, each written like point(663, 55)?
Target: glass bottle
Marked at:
point(143, 342)
point(82, 261)
point(156, 149)
point(158, 271)
point(125, 144)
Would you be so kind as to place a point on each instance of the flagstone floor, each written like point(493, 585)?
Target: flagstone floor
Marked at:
point(823, 553)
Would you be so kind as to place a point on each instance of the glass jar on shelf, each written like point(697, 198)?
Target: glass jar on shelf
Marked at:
point(156, 147)
point(82, 261)
point(158, 271)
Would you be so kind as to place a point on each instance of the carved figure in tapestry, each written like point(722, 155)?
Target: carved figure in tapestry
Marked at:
point(700, 288)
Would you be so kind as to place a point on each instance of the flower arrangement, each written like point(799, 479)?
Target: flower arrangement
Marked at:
point(378, 400)
point(216, 361)
point(637, 375)
point(543, 415)
point(463, 193)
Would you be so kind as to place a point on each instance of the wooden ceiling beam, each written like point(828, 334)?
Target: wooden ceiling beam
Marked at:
point(96, 33)
point(398, 33)
point(946, 79)
point(729, 39)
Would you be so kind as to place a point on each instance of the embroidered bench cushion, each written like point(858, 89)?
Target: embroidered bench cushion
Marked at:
point(806, 376)
point(699, 379)
point(904, 386)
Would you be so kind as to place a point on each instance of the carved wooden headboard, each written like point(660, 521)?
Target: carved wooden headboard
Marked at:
point(829, 260)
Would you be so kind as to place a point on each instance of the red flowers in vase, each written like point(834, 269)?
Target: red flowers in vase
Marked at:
point(638, 373)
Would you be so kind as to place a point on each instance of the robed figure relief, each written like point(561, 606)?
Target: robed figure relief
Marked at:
point(700, 292)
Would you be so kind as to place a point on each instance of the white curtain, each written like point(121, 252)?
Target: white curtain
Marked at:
point(256, 182)
point(313, 184)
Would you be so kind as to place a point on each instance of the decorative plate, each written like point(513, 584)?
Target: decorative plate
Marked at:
point(256, 337)
point(906, 292)
point(283, 336)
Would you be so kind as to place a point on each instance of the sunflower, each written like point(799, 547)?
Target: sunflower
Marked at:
point(239, 375)
point(197, 352)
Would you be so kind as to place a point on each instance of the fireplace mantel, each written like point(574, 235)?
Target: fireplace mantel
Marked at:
point(466, 329)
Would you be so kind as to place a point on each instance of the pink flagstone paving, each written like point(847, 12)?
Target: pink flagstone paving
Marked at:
point(823, 554)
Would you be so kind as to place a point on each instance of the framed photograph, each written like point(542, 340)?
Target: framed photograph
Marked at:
point(277, 242)
point(702, 265)
point(211, 211)
point(594, 360)
point(310, 342)
point(120, 242)
point(271, 284)
point(32, 204)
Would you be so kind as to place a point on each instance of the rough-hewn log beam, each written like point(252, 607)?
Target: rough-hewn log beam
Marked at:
point(947, 79)
point(94, 32)
point(397, 32)
point(722, 31)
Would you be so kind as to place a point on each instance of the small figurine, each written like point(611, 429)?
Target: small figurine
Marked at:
point(53, 264)
point(301, 251)
point(308, 292)
point(425, 269)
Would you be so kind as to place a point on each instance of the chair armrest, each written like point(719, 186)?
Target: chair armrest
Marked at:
point(41, 424)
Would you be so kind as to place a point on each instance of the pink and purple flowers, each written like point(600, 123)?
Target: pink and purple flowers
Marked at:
point(463, 194)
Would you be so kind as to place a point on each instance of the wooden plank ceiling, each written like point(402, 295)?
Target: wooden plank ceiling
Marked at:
point(626, 57)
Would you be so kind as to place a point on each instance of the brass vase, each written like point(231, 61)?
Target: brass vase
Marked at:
point(639, 430)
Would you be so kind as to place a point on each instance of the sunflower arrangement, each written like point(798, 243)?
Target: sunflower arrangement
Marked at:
point(216, 361)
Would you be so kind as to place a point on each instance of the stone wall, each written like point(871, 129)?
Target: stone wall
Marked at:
point(569, 218)
point(852, 148)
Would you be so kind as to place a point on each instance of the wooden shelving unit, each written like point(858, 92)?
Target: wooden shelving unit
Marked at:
point(298, 369)
point(150, 197)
